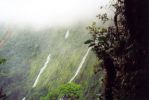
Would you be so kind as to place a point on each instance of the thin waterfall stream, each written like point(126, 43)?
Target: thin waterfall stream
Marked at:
point(67, 34)
point(40, 72)
point(80, 65)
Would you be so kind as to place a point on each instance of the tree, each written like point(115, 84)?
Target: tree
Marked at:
point(124, 49)
point(69, 91)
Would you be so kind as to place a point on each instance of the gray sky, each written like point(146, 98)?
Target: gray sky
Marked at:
point(42, 12)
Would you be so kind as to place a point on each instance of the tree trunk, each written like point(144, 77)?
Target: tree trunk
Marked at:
point(110, 75)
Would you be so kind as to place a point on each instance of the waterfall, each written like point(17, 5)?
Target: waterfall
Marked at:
point(24, 98)
point(41, 70)
point(67, 34)
point(80, 65)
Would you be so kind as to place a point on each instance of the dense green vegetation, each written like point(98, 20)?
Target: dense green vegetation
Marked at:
point(69, 91)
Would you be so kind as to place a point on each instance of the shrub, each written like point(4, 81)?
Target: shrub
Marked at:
point(69, 91)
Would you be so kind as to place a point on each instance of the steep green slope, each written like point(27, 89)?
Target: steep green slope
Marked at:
point(26, 52)
point(89, 78)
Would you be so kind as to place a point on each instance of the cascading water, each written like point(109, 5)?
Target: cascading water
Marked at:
point(67, 34)
point(41, 71)
point(24, 98)
point(80, 65)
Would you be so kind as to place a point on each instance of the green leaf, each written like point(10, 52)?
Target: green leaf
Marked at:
point(88, 41)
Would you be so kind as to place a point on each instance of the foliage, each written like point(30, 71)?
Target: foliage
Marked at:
point(107, 41)
point(126, 44)
point(2, 60)
point(110, 45)
point(103, 17)
point(110, 41)
point(70, 91)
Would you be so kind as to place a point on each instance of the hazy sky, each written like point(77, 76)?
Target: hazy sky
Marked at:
point(48, 11)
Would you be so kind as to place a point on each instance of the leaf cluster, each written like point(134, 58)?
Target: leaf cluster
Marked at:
point(69, 91)
point(110, 41)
